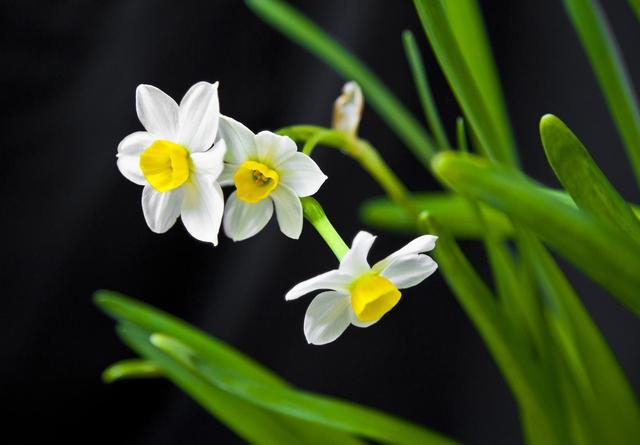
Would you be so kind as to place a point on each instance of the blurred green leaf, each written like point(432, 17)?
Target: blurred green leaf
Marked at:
point(486, 117)
point(131, 369)
point(452, 210)
point(599, 249)
point(327, 411)
point(253, 424)
point(593, 368)
point(194, 349)
point(467, 25)
point(208, 348)
point(607, 62)
point(307, 34)
point(582, 178)
point(509, 350)
point(635, 5)
point(424, 91)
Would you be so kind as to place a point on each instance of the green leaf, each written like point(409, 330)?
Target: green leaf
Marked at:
point(467, 25)
point(208, 348)
point(327, 411)
point(453, 211)
point(635, 5)
point(450, 208)
point(131, 369)
point(607, 395)
point(607, 62)
point(253, 424)
point(307, 34)
point(191, 347)
point(424, 91)
point(485, 116)
point(582, 178)
point(509, 350)
point(599, 249)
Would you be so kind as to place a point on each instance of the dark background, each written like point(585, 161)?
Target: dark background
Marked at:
point(72, 224)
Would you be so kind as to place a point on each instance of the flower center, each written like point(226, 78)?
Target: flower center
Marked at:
point(372, 296)
point(165, 165)
point(255, 181)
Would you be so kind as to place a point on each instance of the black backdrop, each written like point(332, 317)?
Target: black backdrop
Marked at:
point(72, 224)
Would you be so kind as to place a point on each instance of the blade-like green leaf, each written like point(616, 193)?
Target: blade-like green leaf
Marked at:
point(607, 394)
point(131, 369)
point(599, 249)
point(208, 348)
point(465, 87)
point(582, 178)
point(467, 25)
point(209, 351)
point(635, 5)
point(424, 91)
point(514, 359)
point(607, 62)
point(452, 210)
point(307, 34)
point(252, 423)
point(327, 411)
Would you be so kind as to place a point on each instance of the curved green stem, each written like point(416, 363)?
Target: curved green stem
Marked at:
point(314, 213)
point(361, 151)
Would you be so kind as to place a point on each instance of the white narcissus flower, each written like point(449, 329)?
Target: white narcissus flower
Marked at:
point(267, 170)
point(361, 294)
point(174, 160)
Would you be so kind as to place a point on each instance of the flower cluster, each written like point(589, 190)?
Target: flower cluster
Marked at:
point(189, 151)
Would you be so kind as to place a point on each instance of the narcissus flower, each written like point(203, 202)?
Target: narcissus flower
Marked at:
point(174, 160)
point(267, 170)
point(361, 294)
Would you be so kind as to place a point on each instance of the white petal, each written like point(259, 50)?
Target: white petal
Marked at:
point(135, 143)
point(274, 149)
point(226, 177)
point(241, 144)
point(333, 280)
point(198, 117)
point(288, 211)
point(157, 112)
point(302, 174)
point(202, 208)
point(129, 166)
point(210, 162)
point(409, 270)
point(421, 244)
point(161, 209)
point(355, 261)
point(327, 317)
point(242, 220)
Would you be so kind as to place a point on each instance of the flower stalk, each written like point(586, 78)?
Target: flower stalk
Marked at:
point(314, 213)
point(361, 151)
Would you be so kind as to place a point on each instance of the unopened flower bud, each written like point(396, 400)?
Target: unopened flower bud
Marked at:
point(347, 109)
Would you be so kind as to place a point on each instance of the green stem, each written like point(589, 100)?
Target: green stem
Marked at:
point(314, 213)
point(361, 151)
